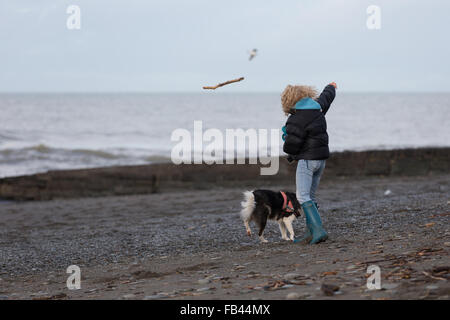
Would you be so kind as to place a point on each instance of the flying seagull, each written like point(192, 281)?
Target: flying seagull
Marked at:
point(253, 54)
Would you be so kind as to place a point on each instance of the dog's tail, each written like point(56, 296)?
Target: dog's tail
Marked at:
point(248, 205)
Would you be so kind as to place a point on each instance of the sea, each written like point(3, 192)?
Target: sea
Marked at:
point(41, 132)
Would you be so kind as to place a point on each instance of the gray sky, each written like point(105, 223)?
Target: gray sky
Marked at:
point(179, 45)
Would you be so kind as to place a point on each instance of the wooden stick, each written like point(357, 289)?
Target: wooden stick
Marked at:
point(223, 84)
point(433, 277)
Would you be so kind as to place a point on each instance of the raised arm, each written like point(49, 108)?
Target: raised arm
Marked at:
point(327, 96)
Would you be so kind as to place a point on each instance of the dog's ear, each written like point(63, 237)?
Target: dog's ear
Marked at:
point(297, 206)
point(292, 196)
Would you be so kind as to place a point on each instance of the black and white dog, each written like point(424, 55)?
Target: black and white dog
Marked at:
point(262, 205)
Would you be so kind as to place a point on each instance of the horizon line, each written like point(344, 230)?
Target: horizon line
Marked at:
point(216, 92)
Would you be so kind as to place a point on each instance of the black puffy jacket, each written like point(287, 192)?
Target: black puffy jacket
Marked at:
point(306, 130)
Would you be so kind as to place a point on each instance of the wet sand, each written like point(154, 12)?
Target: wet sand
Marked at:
point(192, 245)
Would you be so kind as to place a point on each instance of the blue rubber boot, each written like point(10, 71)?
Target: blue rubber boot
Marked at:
point(314, 223)
point(308, 235)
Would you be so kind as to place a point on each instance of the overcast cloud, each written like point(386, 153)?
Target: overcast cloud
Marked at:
point(168, 45)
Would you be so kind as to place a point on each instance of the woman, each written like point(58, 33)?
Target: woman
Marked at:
point(306, 140)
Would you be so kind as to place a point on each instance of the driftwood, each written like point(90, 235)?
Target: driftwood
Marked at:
point(223, 84)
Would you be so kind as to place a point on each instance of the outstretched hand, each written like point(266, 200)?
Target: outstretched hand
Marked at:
point(334, 84)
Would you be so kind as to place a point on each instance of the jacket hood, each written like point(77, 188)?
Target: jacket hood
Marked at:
point(307, 104)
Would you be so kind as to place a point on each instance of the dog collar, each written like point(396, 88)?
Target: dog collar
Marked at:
point(287, 206)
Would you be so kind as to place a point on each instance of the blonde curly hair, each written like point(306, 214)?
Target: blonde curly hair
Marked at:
point(293, 94)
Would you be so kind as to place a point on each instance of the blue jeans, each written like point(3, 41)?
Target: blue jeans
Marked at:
point(308, 178)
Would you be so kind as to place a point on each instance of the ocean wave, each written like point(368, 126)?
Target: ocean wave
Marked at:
point(42, 149)
point(45, 153)
point(8, 137)
point(59, 133)
point(41, 158)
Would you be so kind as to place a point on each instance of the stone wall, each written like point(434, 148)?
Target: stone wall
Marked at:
point(166, 177)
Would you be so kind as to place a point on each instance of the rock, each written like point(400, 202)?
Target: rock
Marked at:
point(4, 297)
point(387, 192)
point(287, 286)
point(297, 282)
point(291, 276)
point(58, 296)
point(293, 296)
point(91, 290)
point(432, 287)
point(389, 286)
point(447, 244)
point(154, 297)
point(129, 296)
point(245, 291)
point(203, 281)
point(329, 289)
point(204, 289)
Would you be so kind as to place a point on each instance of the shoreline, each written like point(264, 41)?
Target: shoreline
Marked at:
point(191, 244)
point(168, 177)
